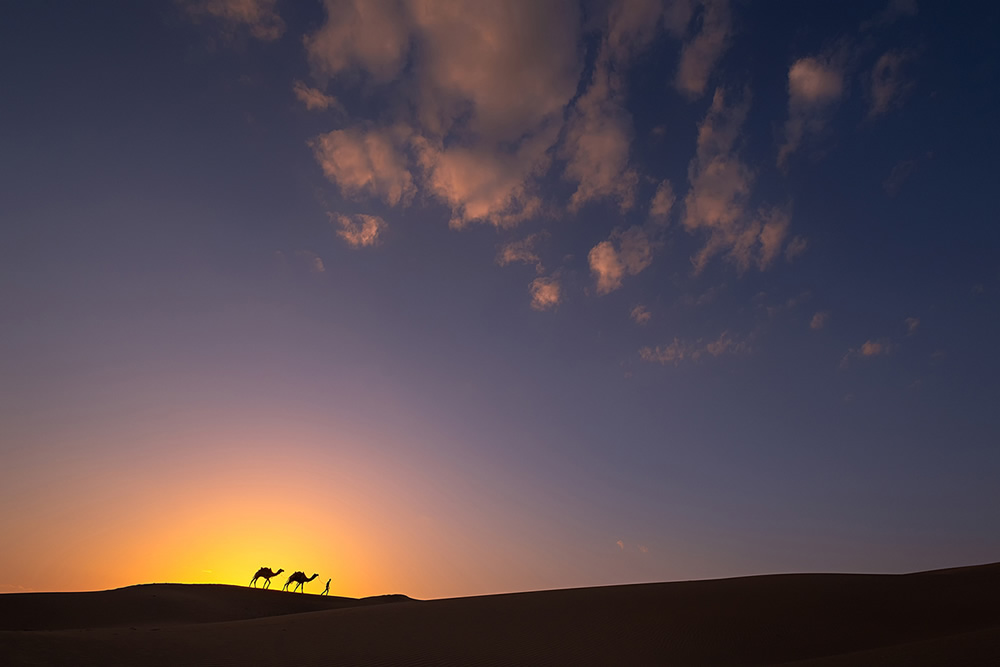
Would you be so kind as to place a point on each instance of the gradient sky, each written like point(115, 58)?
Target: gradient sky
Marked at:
point(448, 299)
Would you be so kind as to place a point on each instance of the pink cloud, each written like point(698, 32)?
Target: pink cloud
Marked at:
point(700, 53)
point(640, 315)
point(814, 84)
point(663, 201)
point(819, 320)
point(373, 37)
point(313, 99)
point(368, 162)
point(610, 264)
point(867, 350)
point(359, 230)
point(522, 251)
point(716, 204)
point(545, 293)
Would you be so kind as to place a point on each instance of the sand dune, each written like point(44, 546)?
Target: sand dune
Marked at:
point(945, 617)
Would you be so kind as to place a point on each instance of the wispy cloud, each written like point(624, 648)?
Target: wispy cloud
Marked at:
point(663, 202)
point(313, 261)
point(888, 82)
point(313, 99)
point(912, 324)
point(717, 201)
point(640, 314)
point(819, 320)
point(359, 230)
point(522, 251)
point(258, 17)
point(677, 350)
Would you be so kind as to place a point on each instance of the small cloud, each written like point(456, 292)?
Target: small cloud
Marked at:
point(901, 172)
point(621, 545)
point(610, 265)
point(912, 323)
point(888, 83)
point(795, 248)
point(522, 251)
point(868, 350)
point(814, 84)
point(313, 99)
point(640, 315)
point(313, 261)
point(257, 16)
point(819, 320)
point(643, 549)
point(545, 293)
point(359, 230)
point(663, 202)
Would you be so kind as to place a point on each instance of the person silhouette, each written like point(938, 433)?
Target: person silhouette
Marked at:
point(326, 591)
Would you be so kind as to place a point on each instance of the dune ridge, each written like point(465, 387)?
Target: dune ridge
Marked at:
point(820, 620)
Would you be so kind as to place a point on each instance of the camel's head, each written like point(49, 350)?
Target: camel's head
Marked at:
point(313, 577)
point(280, 570)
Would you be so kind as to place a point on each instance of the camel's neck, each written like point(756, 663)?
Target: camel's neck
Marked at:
point(312, 577)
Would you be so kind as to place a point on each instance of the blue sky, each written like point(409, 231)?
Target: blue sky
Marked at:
point(582, 292)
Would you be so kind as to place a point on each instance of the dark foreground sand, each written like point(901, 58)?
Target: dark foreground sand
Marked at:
point(946, 617)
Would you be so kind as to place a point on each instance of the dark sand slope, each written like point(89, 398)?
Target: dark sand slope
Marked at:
point(949, 617)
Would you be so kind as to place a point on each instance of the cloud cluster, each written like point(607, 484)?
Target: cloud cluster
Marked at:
point(717, 203)
point(677, 350)
point(523, 252)
point(702, 51)
point(640, 315)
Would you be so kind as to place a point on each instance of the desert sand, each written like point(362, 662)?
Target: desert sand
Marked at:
point(943, 617)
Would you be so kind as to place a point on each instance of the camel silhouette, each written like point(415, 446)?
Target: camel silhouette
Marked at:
point(267, 574)
point(300, 579)
point(326, 591)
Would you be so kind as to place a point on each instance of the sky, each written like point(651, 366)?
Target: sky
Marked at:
point(446, 299)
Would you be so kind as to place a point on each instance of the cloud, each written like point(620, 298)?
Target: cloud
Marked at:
point(545, 293)
point(482, 87)
point(819, 320)
point(912, 324)
point(313, 99)
point(522, 251)
point(621, 544)
point(814, 84)
point(599, 131)
point(717, 201)
point(869, 349)
point(700, 53)
point(896, 9)
point(313, 261)
point(373, 37)
point(610, 264)
point(796, 247)
point(367, 162)
point(888, 84)
point(259, 17)
point(359, 230)
point(663, 201)
point(640, 315)
point(677, 351)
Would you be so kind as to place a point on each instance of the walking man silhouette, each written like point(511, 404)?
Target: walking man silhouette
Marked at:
point(326, 591)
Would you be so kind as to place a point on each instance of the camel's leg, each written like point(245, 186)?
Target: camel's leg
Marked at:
point(253, 581)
